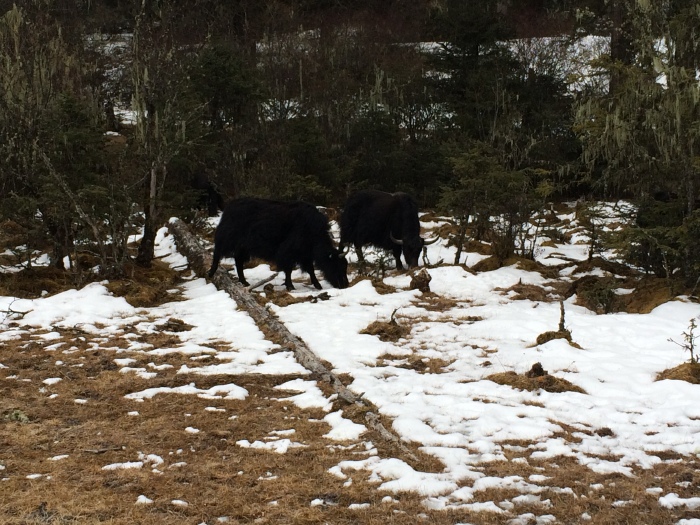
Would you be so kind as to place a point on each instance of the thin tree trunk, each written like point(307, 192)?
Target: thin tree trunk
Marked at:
point(146, 250)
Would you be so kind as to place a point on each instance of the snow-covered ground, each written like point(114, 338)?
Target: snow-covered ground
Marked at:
point(455, 414)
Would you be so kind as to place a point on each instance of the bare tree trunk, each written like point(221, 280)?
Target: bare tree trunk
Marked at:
point(146, 251)
point(620, 42)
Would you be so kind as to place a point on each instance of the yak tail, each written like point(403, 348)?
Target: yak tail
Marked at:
point(215, 261)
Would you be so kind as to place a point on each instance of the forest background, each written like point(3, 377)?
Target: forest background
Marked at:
point(117, 114)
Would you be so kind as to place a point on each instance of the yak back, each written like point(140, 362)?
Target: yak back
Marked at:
point(369, 216)
point(280, 232)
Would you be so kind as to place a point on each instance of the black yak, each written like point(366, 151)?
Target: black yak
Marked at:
point(284, 233)
point(385, 220)
point(207, 195)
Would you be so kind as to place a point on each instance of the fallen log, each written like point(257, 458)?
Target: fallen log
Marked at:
point(200, 261)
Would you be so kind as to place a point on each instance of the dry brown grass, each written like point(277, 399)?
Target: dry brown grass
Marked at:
point(487, 265)
point(33, 282)
point(220, 478)
point(387, 331)
point(612, 267)
point(144, 287)
point(426, 365)
point(545, 337)
point(141, 287)
point(646, 293)
point(649, 292)
point(688, 372)
point(493, 263)
point(208, 470)
point(530, 292)
point(481, 248)
point(284, 298)
point(433, 302)
point(545, 382)
point(381, 287)
point(574, 490)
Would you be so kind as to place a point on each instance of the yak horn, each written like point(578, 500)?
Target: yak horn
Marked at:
point(343, 251)
point(394, 239)
point(428, 242)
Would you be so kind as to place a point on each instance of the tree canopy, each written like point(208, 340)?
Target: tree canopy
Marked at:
point(110, 109)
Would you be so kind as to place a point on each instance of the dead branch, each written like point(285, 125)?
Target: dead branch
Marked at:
point(562, 325)
point(14, 313)
point(101, 450)
point(260, 283)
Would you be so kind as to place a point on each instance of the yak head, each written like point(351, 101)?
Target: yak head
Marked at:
point(334, 267)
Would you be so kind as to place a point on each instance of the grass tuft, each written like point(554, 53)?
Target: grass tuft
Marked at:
point(387, 331)
point(535, 379)
point(688, 372)
point(146, 287)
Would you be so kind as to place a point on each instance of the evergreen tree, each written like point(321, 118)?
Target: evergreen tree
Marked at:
point(56, 179)
point(643, 136)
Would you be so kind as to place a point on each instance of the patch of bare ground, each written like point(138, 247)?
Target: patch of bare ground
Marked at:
point(573, 493)
point(642, 293)
point(11, 234)
point(284, 298)
point(141, 287)
point(530, 292)
point(146, 287)
point(54, 450)
point(688, 372)
point(535, 379)
point(379, 285)
point(487, 265)
point(433, 302)
point(494, 263)
point(387, 330)
point(33, 282)
point(611, 267)
point(479, 247)
point(545, 337)
point(158, 340)
point(417, 363)
point(647, 294)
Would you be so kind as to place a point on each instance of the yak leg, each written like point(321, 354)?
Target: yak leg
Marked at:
point(214, 262)
point(240, 262)
point(287, 269)
point(314, 281)
point(288, 279)
point(358, 251)
point(308, 267)
point(397, 255)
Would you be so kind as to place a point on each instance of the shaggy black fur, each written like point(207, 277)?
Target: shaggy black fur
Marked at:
point(284, 233)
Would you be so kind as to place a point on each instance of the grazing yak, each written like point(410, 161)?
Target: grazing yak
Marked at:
point(284, 233)
point(385, 220)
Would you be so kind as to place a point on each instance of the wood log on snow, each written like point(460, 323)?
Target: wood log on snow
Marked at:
point(200, 261)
